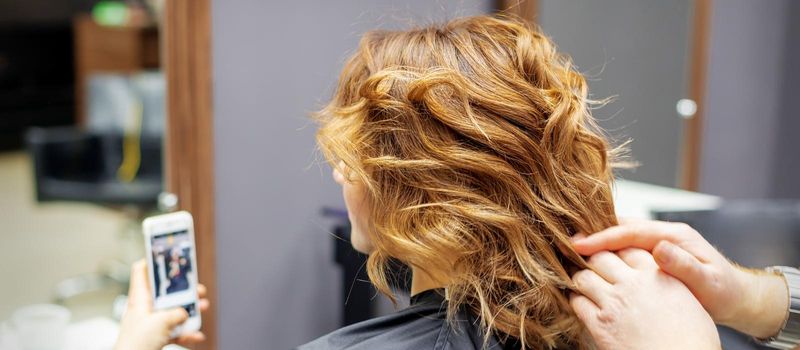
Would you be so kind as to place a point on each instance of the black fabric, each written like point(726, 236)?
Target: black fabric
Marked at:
point(421, 326)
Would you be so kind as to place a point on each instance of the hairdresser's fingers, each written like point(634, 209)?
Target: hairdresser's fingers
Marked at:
point(591, 285)
point(172, 318)
point(680, 264)
point(640, 234)
point(190, 338)
point(139, 291)
point(584, 308)
point(204, 304)
point(638, 259)
point(609, 266)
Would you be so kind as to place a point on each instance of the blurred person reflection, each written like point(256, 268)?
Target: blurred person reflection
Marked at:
point(178, 269)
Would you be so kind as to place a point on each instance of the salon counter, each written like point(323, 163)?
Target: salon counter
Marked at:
point(639, 200)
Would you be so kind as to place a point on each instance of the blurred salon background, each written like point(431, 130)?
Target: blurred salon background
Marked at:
point(112, 111)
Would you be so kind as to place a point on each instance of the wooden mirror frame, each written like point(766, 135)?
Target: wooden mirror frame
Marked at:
point(189, 137)
point(698, 63)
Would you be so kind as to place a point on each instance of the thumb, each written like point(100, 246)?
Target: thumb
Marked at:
point(172, 318)
point(680, 264)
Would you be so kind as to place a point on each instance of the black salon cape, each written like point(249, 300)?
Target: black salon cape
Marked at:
point(421, 326)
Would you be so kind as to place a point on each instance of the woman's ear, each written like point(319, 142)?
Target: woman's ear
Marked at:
point(337, 176)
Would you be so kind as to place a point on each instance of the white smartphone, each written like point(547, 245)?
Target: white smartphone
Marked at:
point(172, 265)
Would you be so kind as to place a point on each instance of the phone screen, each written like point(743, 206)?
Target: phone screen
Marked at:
point(173, 272)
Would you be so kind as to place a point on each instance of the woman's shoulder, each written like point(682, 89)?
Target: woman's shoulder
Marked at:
point(422, 326)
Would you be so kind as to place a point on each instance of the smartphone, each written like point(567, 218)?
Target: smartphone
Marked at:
point(172, 265)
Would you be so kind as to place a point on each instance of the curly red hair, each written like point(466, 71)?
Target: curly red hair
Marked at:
point(475, 141)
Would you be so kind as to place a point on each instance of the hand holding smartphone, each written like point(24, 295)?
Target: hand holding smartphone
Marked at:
point(172, 265)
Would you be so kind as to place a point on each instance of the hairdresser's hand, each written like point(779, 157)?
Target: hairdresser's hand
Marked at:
point(145, 329)
point(752, 302)
point(626, 302)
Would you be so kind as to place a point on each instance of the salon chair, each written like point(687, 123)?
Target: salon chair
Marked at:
point(73, 165)
point(359, 295)
point(753, 233)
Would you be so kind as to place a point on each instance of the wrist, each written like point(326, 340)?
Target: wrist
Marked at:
point(763, 306)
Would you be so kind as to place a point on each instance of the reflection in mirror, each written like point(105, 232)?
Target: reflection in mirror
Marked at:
point(81, 144)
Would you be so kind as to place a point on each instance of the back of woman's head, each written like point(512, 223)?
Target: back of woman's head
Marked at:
point(476, 146)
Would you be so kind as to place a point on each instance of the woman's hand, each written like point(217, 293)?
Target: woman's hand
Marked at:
point(752, 302)
point(626, 302)
point(145, 329)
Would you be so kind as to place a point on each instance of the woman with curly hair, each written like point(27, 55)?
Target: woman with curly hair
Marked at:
point(467, 152)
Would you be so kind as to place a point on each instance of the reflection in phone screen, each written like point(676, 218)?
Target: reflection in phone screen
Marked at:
point(172, 263)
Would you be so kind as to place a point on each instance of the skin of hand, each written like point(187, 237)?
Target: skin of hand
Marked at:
point(627, 302)
point(750, 301)
point(142, 328)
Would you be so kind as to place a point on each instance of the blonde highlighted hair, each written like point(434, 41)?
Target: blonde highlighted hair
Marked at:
point(475, 142)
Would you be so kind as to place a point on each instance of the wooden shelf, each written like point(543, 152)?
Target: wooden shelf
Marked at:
point(106, 49)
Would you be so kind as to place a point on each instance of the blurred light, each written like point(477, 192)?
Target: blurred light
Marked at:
point(110, 13)
point(167, 201)
point(686, 108)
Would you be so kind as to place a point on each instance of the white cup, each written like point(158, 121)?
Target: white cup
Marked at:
point(40, 326)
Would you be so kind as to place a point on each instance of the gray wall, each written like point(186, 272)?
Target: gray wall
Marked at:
point(750, 146)
point(274, 62)
point(787, 159)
